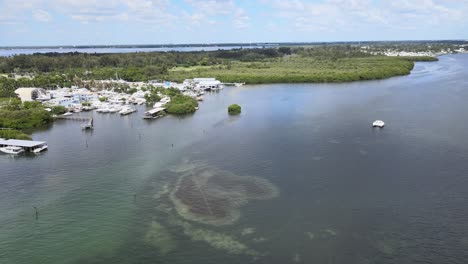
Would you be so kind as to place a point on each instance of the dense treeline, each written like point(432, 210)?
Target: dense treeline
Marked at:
point(327, 63)
point(420, 58)
point(155, 62)
point(296, 69)
point(17, 115)
point(9, 85)
point(13, 134)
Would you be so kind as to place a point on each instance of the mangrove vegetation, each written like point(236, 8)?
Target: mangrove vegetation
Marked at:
point(328, 63)
point(234, 109)
point(13, 134)
point(16, 116)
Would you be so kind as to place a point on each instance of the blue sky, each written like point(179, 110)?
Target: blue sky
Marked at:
point(81, 22)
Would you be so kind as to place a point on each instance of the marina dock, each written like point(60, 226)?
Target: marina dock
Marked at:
point(234, 84)
point(154, 113)
point(27, 145)
point(89, 121)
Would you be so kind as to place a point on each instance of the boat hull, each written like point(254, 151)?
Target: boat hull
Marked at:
point(8, 151)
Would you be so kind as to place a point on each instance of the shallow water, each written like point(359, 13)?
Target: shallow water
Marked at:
point(347, 193)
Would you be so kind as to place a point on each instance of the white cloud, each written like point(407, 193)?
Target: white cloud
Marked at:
point(213, 7)
point(205, 10)
point(288, 17)
point(241, 19)
point(353, 15)
point(41, 15)
point(88, 11)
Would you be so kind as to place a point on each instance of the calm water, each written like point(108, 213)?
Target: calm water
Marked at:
point(17, 51)
point(348, 193)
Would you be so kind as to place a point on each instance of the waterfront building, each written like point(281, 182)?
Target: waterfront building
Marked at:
point(28, 94)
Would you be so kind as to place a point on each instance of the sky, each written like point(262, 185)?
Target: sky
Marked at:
point(111, 22)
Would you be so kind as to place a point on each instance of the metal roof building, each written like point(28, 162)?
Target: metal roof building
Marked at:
point(25, 144)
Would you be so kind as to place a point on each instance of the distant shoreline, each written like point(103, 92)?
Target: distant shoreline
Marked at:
point(258, 44)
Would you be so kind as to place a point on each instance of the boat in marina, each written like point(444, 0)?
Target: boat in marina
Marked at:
point(114, 109)
point(40, 148)
point(67, 114)
point(86, 126)
point(127, 110)
point(102, 110)
point(12, 150)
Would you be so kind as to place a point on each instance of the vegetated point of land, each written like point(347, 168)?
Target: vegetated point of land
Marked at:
point(340, 63)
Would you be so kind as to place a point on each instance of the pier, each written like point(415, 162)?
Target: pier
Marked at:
point(89, 121)
point(234, 84)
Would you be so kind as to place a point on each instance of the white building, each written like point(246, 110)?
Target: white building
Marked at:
point(27, 94)
point(207, 84)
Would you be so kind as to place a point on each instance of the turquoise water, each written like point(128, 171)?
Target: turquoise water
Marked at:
point(347, 193)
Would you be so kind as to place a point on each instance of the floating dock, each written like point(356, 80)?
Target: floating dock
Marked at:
point(27, 145)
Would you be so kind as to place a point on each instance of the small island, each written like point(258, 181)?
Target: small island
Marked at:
point(234, 109)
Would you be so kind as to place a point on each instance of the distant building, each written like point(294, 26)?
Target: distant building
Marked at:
point(207, 84)
point(27, 94)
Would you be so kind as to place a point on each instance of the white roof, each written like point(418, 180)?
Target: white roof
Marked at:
point(21, 143)
point(204, 79)
point(155, 110)
point(209, 82)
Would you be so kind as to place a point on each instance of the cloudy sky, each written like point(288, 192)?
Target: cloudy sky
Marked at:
point(78, 22)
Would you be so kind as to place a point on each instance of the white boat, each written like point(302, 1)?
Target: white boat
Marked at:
point(103, 110)
point(127, 110)
point(40, 149)
point(114, 109)
point(12, 150)
point(67, 114)
point(378, 123)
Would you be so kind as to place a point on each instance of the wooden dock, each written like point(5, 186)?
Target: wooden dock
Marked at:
point(89, 120)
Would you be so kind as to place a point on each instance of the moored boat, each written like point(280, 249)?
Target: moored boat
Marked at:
point(127, 110)
point(378, 123)
point(41, 148)
point(12, 150)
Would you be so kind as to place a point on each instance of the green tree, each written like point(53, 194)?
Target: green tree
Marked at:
point(58, 110)
point(234, 109)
